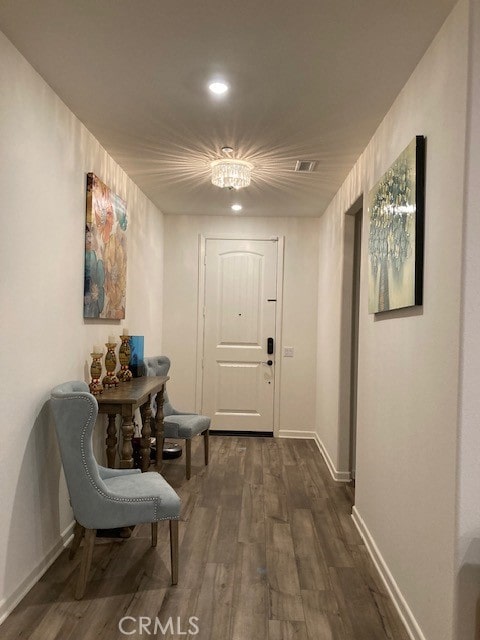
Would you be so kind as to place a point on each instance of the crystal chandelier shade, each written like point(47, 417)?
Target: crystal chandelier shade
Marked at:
point(231, 174)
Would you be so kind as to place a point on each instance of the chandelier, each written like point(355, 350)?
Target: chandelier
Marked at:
point(231, 174)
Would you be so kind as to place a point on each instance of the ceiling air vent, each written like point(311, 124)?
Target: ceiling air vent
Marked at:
point(305, 166)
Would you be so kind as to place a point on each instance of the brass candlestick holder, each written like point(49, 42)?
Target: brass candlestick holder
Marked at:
point(95, 385)
point(110, 379)
point(124, 374)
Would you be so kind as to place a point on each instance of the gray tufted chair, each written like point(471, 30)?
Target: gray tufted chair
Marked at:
point(104, 498)
point(179, 424)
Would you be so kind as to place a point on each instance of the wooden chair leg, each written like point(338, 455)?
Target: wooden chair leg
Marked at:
point(206, 445)
point(78, 532)
point(188, 453)
point(86, 562)
point(174, 550)
point(154, 533)
point(159, 442)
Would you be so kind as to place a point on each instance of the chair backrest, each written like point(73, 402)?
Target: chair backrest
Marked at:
point(160, 366)
point(75, 411)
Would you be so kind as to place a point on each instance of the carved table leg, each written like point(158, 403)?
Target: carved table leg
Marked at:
point(159, 429)
point(126, 459)
point(146, 432)
point(111, 440)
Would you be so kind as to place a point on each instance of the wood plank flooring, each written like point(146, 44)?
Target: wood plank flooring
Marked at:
point(268, 551)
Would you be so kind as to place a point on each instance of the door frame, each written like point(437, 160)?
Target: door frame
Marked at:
point(350, 331)
point(202, 245)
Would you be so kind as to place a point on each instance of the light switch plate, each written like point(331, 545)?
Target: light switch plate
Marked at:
point(288, 352)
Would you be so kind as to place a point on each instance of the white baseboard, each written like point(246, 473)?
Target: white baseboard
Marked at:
point(305, 435)
point(8, 604)
point(404, 611)
point(338, 476)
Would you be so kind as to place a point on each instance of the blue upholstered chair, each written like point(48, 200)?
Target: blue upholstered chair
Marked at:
point(104, 498)
point(179, 424)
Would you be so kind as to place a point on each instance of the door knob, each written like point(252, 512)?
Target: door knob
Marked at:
point(269, 362)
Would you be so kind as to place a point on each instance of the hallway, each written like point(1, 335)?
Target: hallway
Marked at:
point(267, 550)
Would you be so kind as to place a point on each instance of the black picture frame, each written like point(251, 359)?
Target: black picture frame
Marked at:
point(396, 216)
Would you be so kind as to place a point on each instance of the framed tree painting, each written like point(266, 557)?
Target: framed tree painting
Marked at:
point(105, 252)
point(396, 214)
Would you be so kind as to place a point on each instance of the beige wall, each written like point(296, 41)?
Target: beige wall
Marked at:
point(408, 361)
point(468, 509)
point(45, 153)
point(297, 406)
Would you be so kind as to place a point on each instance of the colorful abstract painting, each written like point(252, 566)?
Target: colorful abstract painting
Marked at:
point(395, 208)
point(105, 252)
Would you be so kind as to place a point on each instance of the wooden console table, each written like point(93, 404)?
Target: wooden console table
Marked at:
point(123, 400)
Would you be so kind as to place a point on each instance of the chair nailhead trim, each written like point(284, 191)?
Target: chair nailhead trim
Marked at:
point(92, 481)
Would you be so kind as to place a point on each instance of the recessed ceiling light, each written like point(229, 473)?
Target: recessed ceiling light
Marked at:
point(236, 207)
point(218, 87)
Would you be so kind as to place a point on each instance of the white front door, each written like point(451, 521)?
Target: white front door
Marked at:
point(240, 302)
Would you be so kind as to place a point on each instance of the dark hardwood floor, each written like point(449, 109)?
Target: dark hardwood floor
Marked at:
point(268, 550)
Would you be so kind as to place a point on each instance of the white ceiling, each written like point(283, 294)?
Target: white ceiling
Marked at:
point(310, 80)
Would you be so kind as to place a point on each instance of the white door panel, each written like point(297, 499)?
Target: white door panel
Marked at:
point(240, 294)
